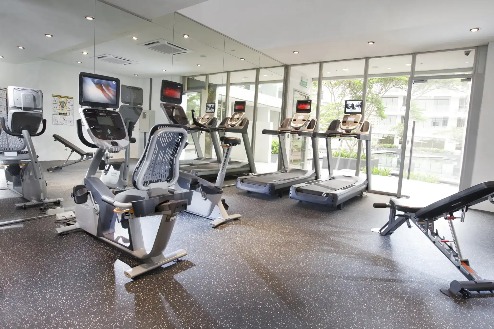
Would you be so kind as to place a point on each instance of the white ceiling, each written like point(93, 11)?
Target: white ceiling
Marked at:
point(319, 29)
point(334, 29)
point(28, 20)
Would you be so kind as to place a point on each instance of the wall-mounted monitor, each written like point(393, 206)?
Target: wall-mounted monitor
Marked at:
point(171, 92)
point(303, 106)
point(98, 91)
point(353, 106)
point(239, 106)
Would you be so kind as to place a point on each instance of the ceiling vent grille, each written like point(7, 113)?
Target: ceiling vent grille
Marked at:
point(112, 59)
point(165, 47)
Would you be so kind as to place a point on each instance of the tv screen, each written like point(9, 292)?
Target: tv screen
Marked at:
point(353, 106)
point(303, 106)
point(239, 106)
point(98, 91)
point(171, 92)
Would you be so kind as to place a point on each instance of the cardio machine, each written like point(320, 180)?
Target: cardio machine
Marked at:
point(207, 198)
point(23, 172)
point(175, 114)
point(424, 217)
point(275, 183)
point(342, 187)
point(140, 220)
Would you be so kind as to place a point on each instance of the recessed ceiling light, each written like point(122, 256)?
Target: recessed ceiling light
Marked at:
point(134, 38)
point(21, 47)
point(389, 68)
point(90, 18)
point(475, 29)
point(467, 62)
point(371, 42)
point(198, 64)
point(136, 75)
point(84, 52)
point(265, 75)
point(242, 59)
point(48, 35)
point(164, 70)
point(186, 36)
point(345, 69)
point(79, 62)
point(295, 52)
point(1, 57)
point(408, 64)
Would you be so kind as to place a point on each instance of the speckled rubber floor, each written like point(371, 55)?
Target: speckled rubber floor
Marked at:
point(283, 265)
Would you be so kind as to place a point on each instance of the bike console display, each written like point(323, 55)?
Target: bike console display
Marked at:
point(105, 127)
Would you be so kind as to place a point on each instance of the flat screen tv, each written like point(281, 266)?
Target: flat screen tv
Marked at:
point(98, 91)
point(171, 92)
point(353, 106)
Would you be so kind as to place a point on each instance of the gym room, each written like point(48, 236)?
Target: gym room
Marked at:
point(233, 164)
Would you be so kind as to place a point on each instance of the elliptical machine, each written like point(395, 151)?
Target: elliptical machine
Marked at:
point(122, 220)
point(23, 172)
point(207, 198)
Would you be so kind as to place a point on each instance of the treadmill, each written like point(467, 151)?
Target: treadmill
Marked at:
point(277, 182)
point(236, 124)
point(342, 187)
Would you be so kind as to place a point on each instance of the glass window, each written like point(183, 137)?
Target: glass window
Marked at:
point(242, 88)
point(303, 85)
point(268, 117)
point(342, 80)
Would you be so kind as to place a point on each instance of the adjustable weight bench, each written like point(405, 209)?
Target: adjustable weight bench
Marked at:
point(73, 148)
point(403, 210)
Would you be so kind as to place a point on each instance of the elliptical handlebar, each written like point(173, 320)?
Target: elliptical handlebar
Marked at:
point(11, 133)
point(81, 136)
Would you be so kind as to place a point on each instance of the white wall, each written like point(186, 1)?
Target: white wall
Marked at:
point(59, 79)
point(483, 160)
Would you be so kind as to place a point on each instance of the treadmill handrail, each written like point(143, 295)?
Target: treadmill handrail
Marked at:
point(275, 131)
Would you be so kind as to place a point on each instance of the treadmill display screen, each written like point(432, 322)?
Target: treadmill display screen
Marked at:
point(98, 91)
point(210, 107)
point(353, 107)
point(239, 106)
point(303, 106)
point(171, 92)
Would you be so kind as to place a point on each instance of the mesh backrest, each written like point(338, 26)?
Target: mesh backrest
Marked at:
point(158, 166)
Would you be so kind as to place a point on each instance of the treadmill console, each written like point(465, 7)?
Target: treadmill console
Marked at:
point(353, 115)
point(238, 114)
point(302, 114)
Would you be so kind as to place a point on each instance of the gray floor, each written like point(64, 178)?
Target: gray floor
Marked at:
point(283, 265)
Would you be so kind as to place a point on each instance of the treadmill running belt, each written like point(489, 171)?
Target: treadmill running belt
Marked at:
point(322, 187)
point(274, 177)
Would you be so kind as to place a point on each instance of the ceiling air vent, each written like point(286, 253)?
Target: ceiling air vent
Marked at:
point(114, 59)
point(165, 47)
